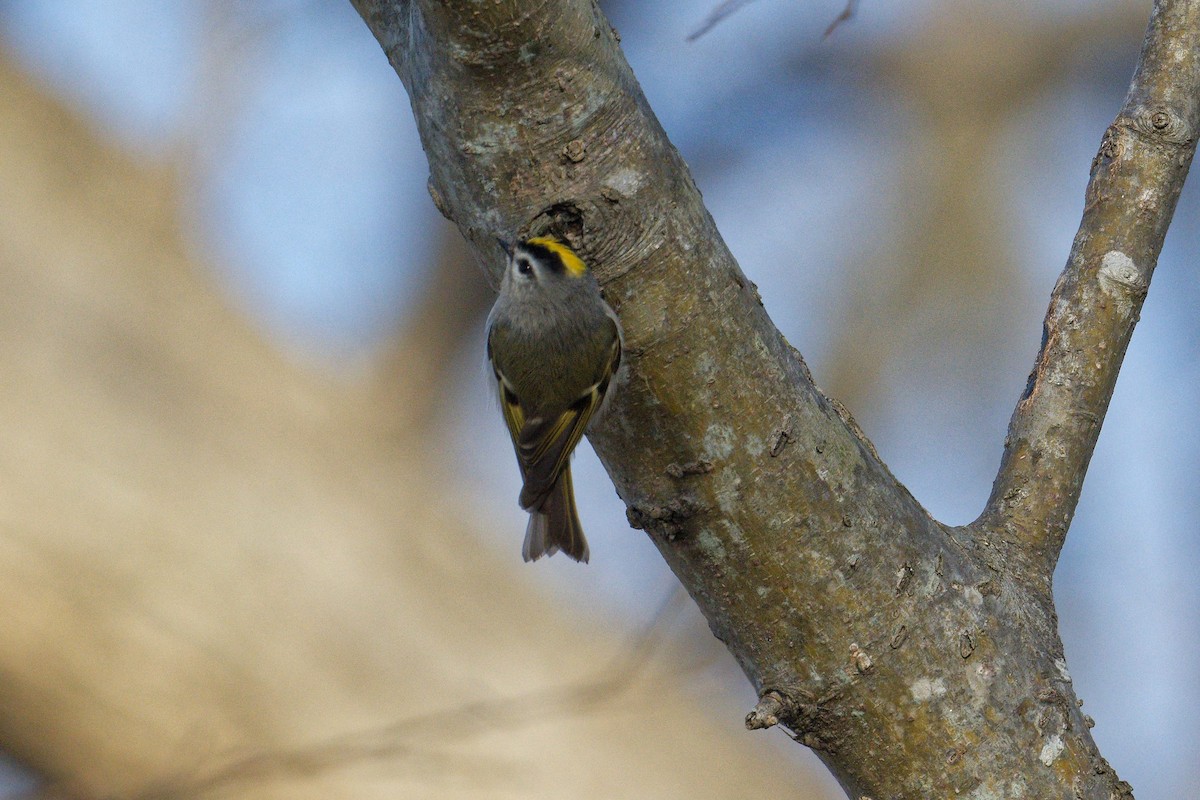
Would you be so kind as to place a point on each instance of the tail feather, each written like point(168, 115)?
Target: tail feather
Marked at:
point(554, 525)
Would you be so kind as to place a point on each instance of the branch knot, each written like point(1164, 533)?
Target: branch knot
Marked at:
point(1161, 124)
point(766, 713)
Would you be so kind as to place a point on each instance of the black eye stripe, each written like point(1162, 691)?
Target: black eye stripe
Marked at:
point(545, 255)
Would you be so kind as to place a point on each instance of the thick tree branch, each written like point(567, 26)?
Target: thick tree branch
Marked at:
point(917, 661)
point(1136, 179)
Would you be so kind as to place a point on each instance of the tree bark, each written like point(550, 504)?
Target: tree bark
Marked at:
point(918, 660)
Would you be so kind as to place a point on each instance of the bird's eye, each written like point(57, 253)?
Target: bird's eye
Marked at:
point(524, 267)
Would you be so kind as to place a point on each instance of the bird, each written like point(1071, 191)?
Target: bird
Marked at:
point(554, 347)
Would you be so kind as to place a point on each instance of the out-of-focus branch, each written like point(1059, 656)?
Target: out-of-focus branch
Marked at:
point(716, 16)
point(728, 7)
point(416, 376)
point(217, 565)
point(946, 277)
point(1136, 179)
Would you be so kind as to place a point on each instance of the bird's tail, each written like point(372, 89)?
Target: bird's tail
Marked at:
point(554, 525)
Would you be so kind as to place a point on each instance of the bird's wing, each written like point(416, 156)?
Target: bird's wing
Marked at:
point(545, 443)
point(510, 405)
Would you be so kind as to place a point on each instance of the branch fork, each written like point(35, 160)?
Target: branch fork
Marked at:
point(794, 539)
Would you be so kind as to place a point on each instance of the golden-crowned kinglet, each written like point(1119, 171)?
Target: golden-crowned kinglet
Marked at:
point(554, 346)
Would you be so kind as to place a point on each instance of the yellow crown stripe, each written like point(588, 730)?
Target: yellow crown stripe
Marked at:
point(573, 263)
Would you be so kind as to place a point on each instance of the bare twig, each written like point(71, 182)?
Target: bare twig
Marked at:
point(727, 8)
point(1136, 179)
point(716, 16)
point(847, 14)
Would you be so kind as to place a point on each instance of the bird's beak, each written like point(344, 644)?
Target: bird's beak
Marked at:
point(505, 246)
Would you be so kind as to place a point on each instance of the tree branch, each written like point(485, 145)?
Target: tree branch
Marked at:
point(1136, 180)
point(916, 660)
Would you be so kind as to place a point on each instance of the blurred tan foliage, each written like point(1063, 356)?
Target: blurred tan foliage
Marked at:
point(227, 576)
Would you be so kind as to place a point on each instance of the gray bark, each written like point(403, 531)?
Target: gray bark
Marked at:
point(917, 659)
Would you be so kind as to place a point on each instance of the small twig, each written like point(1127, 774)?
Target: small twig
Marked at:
point(715, 17)
point(725, 9)
point(847, 14)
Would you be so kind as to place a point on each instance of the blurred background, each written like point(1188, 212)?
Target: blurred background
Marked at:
point(904, 193)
